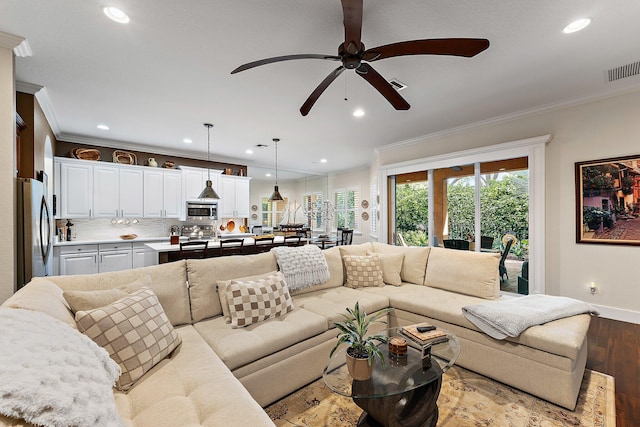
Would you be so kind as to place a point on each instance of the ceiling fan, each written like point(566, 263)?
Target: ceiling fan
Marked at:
point(354, 56)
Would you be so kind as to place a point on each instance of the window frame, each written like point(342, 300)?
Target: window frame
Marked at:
point(356, 208)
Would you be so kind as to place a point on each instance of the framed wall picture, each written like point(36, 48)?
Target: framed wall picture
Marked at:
point(608, 201)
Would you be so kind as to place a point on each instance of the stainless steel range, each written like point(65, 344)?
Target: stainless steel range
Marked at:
point(198, 231)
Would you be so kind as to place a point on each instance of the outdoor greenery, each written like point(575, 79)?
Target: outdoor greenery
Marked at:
point(504, 207)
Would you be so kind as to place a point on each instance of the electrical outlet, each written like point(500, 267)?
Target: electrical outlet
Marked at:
point(593, 288)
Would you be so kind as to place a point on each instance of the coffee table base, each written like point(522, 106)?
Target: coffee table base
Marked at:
point(415, 408)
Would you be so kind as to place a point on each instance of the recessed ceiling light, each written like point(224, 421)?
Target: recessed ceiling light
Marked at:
point(358, 113)
point(187, 140)
point(267, 174)
point(116, 14)
point(103, 127)
point(578, 25)
point(323, 160)
point(249, 151)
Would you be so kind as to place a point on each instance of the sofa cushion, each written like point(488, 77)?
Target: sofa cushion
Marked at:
point(391, 267)
point(464, 272)
point(90, 300)
point(239, 347)
point(332, 303)
point(362, 271)
point(415, 260)
point(253, 301)
point(359, 250)
point(204, 274)
point(134, 330)
point(42, 295)
point(336, 272)
point(168, 281)
point(190, 387)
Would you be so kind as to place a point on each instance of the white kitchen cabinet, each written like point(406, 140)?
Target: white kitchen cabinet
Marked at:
point(144, 256)
point(115, 257)
point(75, 189)
point(131, 192)
point(162, 193)
point(234, 196)
point(106, 187)
point(77, 259)
point(194, 181)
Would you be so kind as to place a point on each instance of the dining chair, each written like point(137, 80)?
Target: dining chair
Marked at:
point(345, 237)
point(486, 242)
point(195, 249)
point(256, 229)
point(231, 247)
point(293, 241)
point(459, 244)
point(501, 267)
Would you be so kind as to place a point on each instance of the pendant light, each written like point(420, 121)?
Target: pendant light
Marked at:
point(208, 192)
point(276, 194)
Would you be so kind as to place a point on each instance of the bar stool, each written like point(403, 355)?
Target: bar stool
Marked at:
point(195, 249)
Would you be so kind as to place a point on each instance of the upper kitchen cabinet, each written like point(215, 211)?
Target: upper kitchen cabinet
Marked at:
point(194, 180)
point(234, 196)
point(74, 187)
point(120, 191)
point(162, 193)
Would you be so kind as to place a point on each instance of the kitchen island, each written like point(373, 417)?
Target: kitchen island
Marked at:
point(167, 252)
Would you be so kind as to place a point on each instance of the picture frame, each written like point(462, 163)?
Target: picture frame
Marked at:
point(608, 201)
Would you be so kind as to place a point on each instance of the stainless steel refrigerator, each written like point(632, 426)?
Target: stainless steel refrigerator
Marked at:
point(35, 230)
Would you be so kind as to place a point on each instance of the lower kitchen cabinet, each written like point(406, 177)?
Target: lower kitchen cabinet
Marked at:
point(115, 257)
point(143, 256)
point(78, 259)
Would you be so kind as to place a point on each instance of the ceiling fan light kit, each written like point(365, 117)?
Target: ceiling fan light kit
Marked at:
point(354, 56)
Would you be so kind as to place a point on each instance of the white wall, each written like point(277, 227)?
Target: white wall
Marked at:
point(600, 129)
point(7, 172)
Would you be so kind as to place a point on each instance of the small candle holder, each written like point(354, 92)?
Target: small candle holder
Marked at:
point(398, 347)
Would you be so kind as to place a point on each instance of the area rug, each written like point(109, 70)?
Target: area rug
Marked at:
point(466, 399)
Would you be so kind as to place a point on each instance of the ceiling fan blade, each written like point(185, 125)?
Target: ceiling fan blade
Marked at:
point(352, 12)
point(454, 47)
point(284, 58)
point(384, 87)
point(306, 107)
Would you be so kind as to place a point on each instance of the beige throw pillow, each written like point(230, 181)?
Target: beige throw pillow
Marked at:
point(391, 267)
point(254, 301)
point(222, 285)
point(134, 330)
point(90, 300)
point(363, 271)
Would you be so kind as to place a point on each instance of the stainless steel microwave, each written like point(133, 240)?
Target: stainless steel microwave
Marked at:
point(202, 210)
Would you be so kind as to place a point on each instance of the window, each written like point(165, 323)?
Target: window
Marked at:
point(373, 206)
point(347, 206)
point(272, 212)
point(312, 206)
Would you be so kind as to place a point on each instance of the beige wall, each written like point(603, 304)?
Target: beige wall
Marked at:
point(600, 129)
point(7, 173)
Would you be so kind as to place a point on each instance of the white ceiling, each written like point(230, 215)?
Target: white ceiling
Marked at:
point(155, 80)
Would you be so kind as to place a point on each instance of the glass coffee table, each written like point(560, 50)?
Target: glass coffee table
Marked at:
point(405, 391)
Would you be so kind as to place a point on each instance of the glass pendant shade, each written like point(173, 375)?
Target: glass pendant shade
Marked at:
point(208, 192)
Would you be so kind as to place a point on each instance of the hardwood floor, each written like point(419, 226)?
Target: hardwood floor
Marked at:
point(614, 349)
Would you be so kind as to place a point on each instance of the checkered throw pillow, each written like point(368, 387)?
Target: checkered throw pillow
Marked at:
point(253, 301)
point(363, 271)
point(134, 330)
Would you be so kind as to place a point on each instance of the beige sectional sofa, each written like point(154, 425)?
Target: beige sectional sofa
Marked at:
point(223, 376)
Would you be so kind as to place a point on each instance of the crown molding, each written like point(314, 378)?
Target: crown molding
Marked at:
point(23, 50)
point(29, 88)
point(47, 108)
point(10, 41)
point(507, 118)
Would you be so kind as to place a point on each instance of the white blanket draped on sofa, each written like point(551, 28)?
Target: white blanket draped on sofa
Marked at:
point(302, 266)
point(509, 318)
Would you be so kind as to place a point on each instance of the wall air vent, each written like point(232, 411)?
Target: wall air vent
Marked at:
point(397, 84)
point(624, 71)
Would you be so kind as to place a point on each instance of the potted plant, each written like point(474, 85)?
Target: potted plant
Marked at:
point(362, 348)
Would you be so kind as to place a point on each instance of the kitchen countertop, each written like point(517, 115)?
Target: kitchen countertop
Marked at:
point(116, 240)
point(168, 247)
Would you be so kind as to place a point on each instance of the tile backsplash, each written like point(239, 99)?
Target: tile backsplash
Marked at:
point(99, 228)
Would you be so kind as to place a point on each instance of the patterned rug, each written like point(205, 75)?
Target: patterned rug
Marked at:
point(466, 400)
